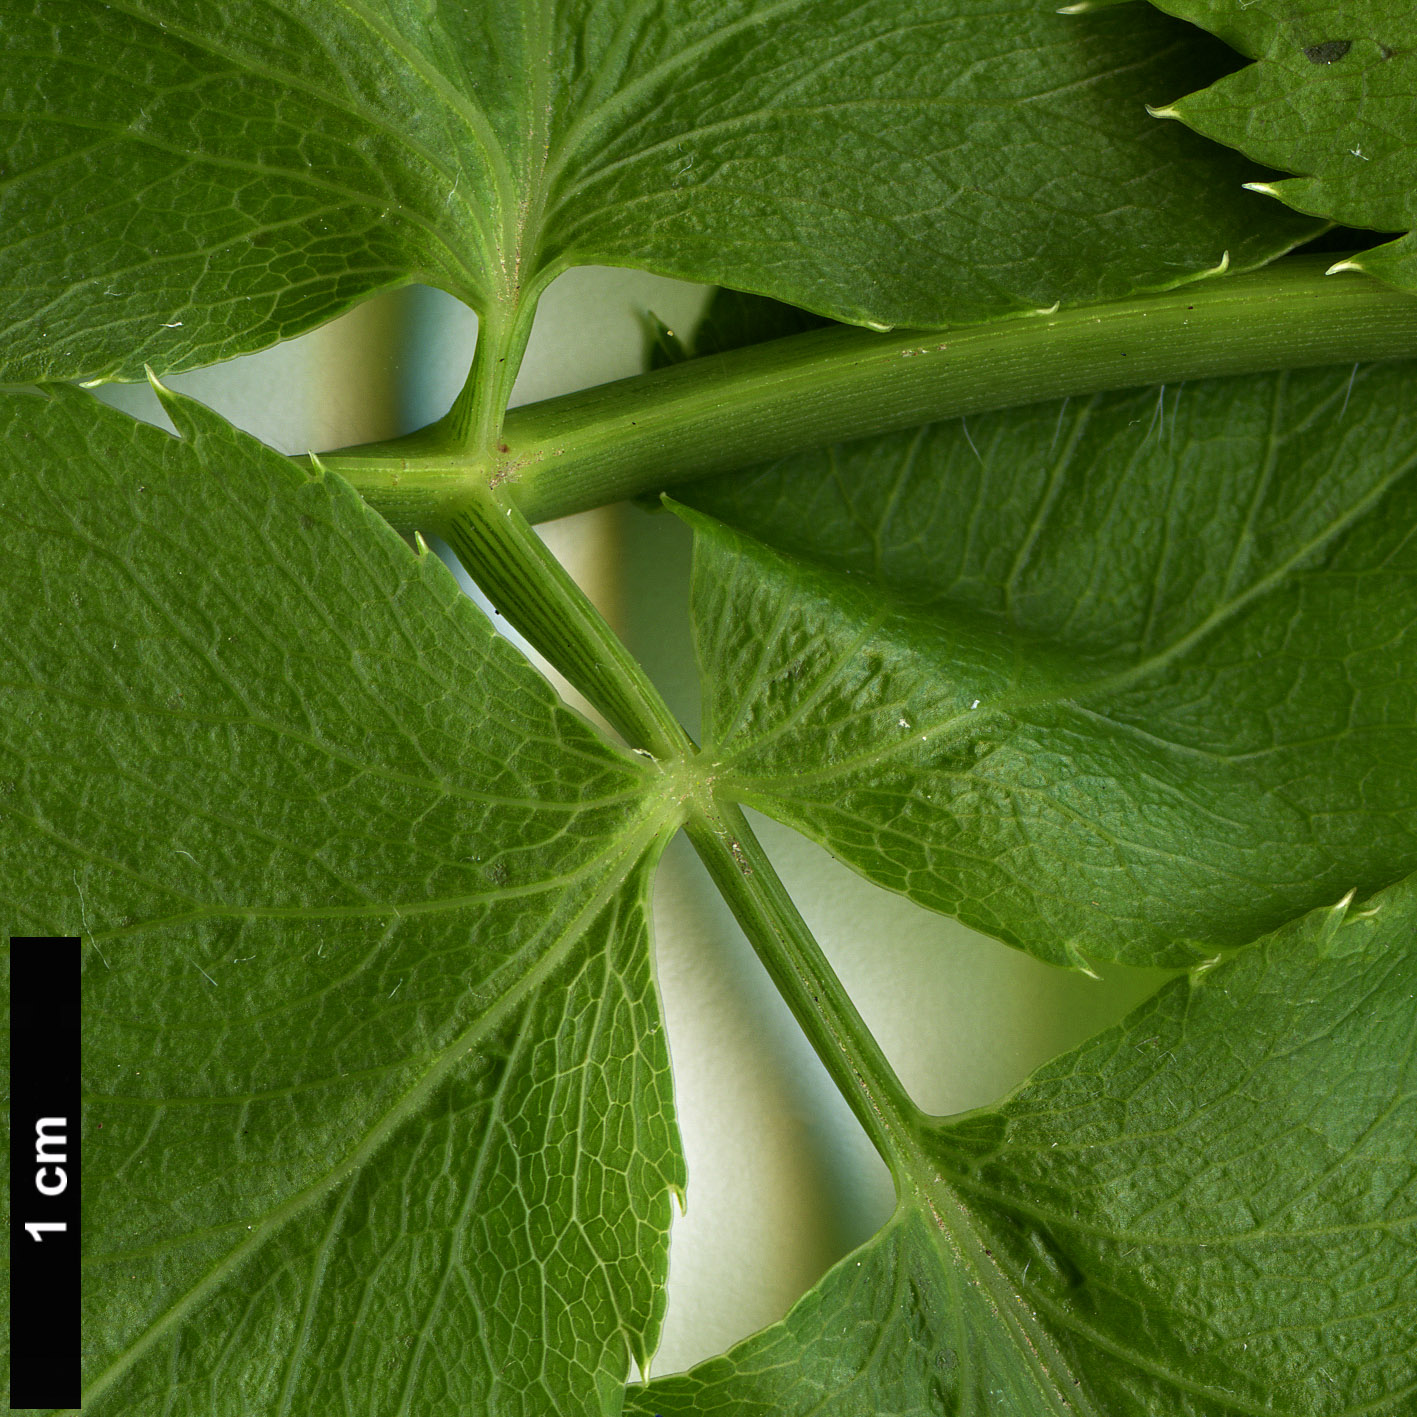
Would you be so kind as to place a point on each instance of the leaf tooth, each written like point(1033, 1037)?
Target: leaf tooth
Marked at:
point(1164, 110)
point(1338, 913)
point(318, 470)
point(173, 403)
point(1197, 972)
point(419, 545)
point(1078, 961)
point(1336, 918)
point(1349, 263)
point(1265, 189)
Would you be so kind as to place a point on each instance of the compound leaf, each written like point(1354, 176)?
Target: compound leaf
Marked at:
point(1133, 676)
point(1205, 1211)
point(1332, 96)
point(378, 1111)
point(182, 185)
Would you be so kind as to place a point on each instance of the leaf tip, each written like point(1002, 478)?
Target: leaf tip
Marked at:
point(1079, 962)
point(1265, 189)
point(1163, 110)
point(1048, 309)
point(419, 545)
point(317, 469)
point(878, 327)
point(1348, 263)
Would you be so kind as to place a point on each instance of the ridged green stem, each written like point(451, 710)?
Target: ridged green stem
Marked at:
point(511, 564)
point(848, 1049)
point(732, 410)
point(473, 426)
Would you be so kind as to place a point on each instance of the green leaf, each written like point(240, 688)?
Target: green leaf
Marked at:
point(378, 1110)
point(1333, 97)
point(182, 185)
point(1130, 677)
point(1204, 1211)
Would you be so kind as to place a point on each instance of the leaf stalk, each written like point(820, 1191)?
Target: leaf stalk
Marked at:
point(748, 406)
point(505, 556)
point(472, 428)
point(741, 870)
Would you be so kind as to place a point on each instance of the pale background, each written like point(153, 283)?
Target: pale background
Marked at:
point(781, 1181)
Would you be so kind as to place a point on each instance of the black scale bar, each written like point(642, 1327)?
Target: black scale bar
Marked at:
point(44, 1172)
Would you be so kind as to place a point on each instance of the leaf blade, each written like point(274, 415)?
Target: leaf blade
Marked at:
point(373, 1045)
point(1099, 680)
point(1228, 1299)
point(1329, 97)
point(284, 160)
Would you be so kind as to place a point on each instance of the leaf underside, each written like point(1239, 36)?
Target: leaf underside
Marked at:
point(1132, 676)
point(375, 1075)
point(378, 1112)
point(184, 185)
point(1205, 1211)
point(1332, 97)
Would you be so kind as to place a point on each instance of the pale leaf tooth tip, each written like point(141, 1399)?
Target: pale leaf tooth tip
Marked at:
point(1340, 266)
point(95, 383)
point(1048, 309)
point(879, 328)
point(168, 398)
point(419, 545)
point(1078, 961)
point(1163, 110)
point(1079, 9)
point(319, 468)
point(1203, 967)
point(1265, 189)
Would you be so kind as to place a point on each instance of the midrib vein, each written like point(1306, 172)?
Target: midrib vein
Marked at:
point(375, 910)
point(960, 1247)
